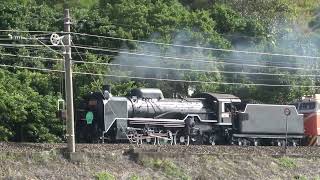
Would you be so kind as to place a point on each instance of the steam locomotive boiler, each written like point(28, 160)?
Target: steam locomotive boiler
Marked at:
point(145, 116)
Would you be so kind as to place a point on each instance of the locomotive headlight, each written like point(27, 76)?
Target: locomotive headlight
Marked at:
point(92, 103)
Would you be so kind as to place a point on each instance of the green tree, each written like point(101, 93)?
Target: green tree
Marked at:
point(25, 114)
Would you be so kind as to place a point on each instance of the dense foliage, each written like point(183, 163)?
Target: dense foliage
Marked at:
point(28, 98)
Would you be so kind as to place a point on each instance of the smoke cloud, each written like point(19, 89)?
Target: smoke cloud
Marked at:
point(179, 63)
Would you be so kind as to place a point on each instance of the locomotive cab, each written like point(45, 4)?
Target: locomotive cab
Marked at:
point(224, 105)
point(309, 106)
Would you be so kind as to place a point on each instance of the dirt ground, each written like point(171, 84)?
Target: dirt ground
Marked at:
point(135, 165)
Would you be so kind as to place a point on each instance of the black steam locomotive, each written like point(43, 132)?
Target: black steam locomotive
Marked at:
point(145, 116)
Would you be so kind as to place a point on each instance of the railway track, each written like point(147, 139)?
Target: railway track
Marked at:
point(304, 151)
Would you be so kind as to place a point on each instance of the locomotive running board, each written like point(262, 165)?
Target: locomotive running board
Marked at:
point(155, 120)
point(265, 136)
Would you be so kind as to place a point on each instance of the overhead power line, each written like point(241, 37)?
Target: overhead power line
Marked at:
point(205, 59)
point(32, 57)
point(197, 70)
point(94, 80)
point(215, 61)
point(33, 35)
point(221, 60)
point(191, 81)
point(198, 47)
point(28, 45)
point(31, 68)
point(33, 45)
point(49, 47)
point(29, 48)
point(175, 45)
point(24, 31)
point(184, 59)
point(159, 79)
point(175, 80)
point(176, 58)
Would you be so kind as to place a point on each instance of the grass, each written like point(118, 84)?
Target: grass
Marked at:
point(36, 157)
point(208, 159)
point(134, 177)
point(170, 169)
point(287, 162)
point(300, 177)
point(104, 176)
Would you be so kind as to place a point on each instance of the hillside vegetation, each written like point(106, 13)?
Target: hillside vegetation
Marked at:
point(29, 97)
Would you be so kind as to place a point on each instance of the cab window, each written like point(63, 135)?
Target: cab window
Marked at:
point(307, 106)
point(227, 107)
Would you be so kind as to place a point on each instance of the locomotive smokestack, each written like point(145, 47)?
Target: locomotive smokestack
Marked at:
point(106, 91)
point(106, 87)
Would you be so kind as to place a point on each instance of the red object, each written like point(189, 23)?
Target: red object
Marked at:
point(312, 123)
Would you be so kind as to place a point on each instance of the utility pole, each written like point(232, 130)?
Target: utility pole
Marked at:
point(69, 87)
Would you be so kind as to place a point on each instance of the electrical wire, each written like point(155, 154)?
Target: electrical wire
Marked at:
point(139, 54)
point(191, 81)
point(160, 79)
point(234, 62)
point(216, 61)
point(97, 84)
point(197, 70)
point(213, 60)
point(31, 68)
point(34, 45)
point(28, 45)
point(198, 47)
point(29, 48)
point(32, 57)
point(163, 54)
point(228, 63)
point(178, 45)
point(37, 48)
point(61, 60)
point(49, 47)
point(24, 31)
